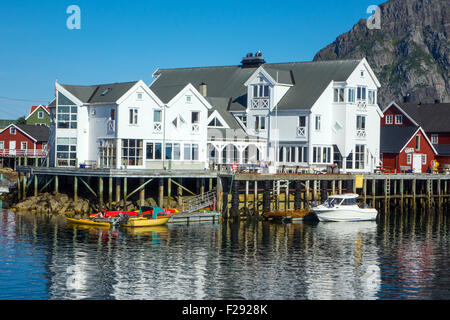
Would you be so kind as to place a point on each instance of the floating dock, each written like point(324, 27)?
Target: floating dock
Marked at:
point(195, 217)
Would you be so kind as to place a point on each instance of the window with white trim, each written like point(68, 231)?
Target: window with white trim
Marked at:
point(408, 158)
point(322, 154)
point(424, 159)
point(372, 96)
point(40, 115)
point(154, 151)
point(388, 119)
point(133, 115)
point(398, 119)
point(260, 123)
point(418, 142)
point(317, 122)
point(2, 145)
point(132, 152)
point(339, 95)
point(66, 152)
point(351, 95)
point(24, 145)
point(434, 138)
point(12, 130)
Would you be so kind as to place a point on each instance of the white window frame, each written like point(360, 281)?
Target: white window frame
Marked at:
point(408, 158)
point(389, 119)
point(40, 115)
point(424, 158)
point(398, 119)
point(352, 95)
point(417, 142)
point(317, 122)
point(139, 96)
point(435, 139)
point(2, 145)
point(22, 144)
point(12, 131)
point(133, 116)
point(188, 99)
point(339, 95)
point(258, 123)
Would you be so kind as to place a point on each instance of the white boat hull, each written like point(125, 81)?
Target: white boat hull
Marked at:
point(347, 214)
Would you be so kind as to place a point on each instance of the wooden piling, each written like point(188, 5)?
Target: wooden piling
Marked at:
point(117, 190)
point(142, 193)
point(75, 188)
point(100, 191)
point(161, 192)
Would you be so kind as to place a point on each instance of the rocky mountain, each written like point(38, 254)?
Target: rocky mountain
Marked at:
point(410, 52)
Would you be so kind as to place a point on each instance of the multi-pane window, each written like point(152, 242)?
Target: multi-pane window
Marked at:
point(321, 154)
point(349, 161)
point(12, 130)
point(408, 158)
point(351, 95)
point(398, 119)
point(372, 96)
point(317, 123)
point(434, 139)
point(108, 152)
point(360, 122)
point(260, 122)
point(2, 145)
point(132, 152)
point(359, 156)
point(424, 159)
point(67, 117)
point(215, 123)
point(243, 119)
point(302, 154)
point(338, 95)
point(24, 145)
point(66, 152)
point(40, 115)
point(154, 151)
point(361, 93)
point(191, 151)
point(389, 119)
point(260, 91)
point(133, 116)
point(173, 151)
point(418, 142)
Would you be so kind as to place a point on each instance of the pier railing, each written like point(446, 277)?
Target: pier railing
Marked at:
point(200, 201)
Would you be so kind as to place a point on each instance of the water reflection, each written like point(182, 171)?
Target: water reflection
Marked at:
point(398, 257)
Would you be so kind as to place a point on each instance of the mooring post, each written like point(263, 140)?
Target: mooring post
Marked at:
point(142, 193)
point(234, 211)
point(161, 192)
point(100, 191)
point(365, 190)
point(255, 196)
point(439, 194)
point(219, 194)
point(180, 192)
point(117, 190)
point(36, 185)
point(402, 188)
point(340, 186)
point(56, 184)
point(169, 189)
point(298, 195)
point(246, 194)
point(24, 187)
point(307, 193)
point(75, 188)
point(266, 196)
point(110, 191)
point(414, 184)
point(333, 186)
point(374, 192)
point(125, 189)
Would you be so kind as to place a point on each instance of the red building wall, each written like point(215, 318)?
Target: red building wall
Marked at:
point(19, 137)
point(394, 161)
point(393, 110)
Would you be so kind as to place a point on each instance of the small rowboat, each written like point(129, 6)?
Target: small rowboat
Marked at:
point(89, 222)
point(145, 222)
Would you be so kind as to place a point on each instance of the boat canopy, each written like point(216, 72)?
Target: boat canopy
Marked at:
point(344, 196)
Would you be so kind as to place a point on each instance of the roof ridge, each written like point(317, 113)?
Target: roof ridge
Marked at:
point(97, 85)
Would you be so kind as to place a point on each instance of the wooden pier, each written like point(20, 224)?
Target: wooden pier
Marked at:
point(242, 194)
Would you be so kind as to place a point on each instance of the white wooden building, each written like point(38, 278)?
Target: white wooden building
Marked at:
point(126, 125)
point(291, 115)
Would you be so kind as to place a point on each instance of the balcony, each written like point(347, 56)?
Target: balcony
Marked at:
point(157, 127)
point(195, 128)
point(361, 134)
point(23, 153)
point(361, 106)
point(301, 132)
point(260, 103)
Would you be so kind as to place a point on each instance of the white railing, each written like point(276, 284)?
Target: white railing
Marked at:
point(157, 127)
point(24, 153)
point(361, 133)
point(362, 106)
point(301, 132)
point(111, 125)
point(195, 128)
point(260, 103)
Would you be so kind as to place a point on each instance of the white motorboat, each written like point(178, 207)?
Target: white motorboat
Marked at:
point(343, 207)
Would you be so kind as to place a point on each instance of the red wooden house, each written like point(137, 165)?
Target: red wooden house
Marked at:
point(24, 142)
point(432, 117)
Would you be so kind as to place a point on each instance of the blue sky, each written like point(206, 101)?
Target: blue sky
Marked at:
point(128, 40)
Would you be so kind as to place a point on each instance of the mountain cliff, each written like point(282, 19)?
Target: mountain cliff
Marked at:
point(410, 52)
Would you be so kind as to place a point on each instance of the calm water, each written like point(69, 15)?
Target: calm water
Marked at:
point(403, 257)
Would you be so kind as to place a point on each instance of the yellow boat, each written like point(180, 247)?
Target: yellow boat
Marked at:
point(145, 222)
point(148, 230)
point(89, 222)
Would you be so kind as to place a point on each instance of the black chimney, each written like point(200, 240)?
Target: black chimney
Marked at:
point(250, 61)
point(407, 98)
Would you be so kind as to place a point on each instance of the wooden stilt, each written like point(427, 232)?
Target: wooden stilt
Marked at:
point(75, 188)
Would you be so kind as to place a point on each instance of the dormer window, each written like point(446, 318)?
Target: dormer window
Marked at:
point(260, 91)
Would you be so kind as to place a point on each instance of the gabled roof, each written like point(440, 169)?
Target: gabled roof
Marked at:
point(432, 117)
point(394, 138)
point(309, 80)
point(103, 93)
point(443, 149)
point(36, 133)
point(34, 108)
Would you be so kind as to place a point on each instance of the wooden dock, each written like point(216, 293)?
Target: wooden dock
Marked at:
point(239, 195)
point(193, 217)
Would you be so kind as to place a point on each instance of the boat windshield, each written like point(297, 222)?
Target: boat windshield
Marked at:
point(331, 202)
point(349, 202)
